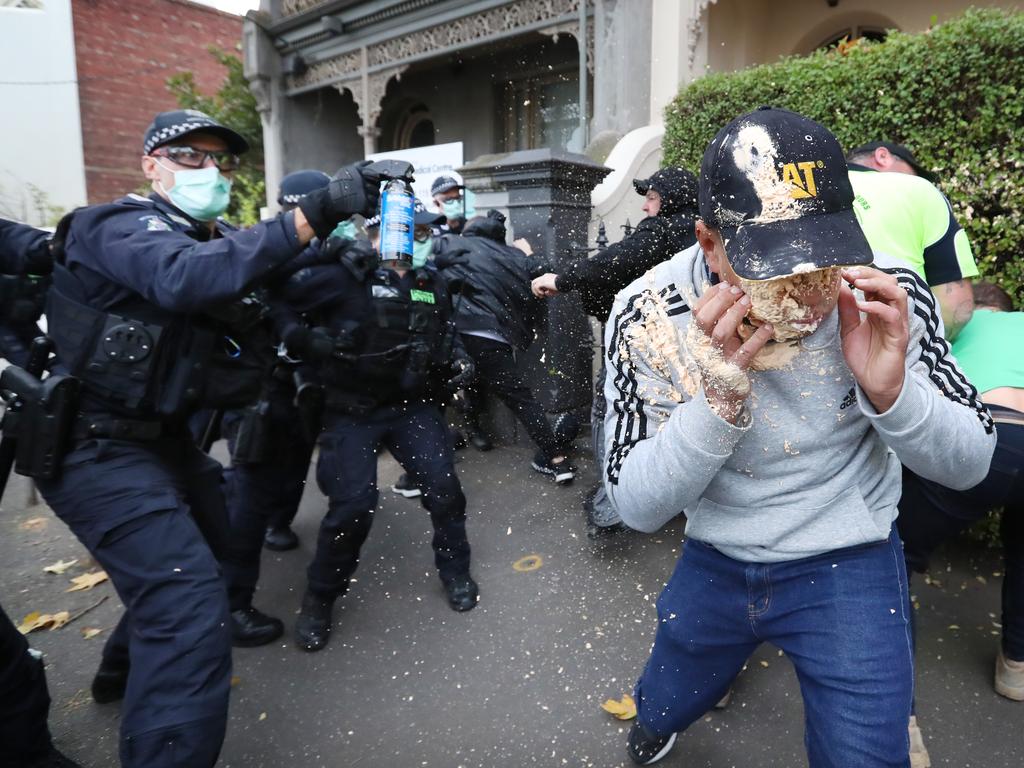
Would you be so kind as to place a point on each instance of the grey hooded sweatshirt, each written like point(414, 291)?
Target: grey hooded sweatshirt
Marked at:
point(811, 466)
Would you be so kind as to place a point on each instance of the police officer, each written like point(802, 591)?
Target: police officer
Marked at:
point(23, 266)
point(276, 480)
point(394, 347)
point(24, 699)
point(142, 311)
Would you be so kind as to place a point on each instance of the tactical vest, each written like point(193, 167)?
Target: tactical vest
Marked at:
point(143, 361)
point(395, 345)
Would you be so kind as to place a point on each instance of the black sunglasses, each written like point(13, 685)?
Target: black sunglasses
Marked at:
point(190, 157)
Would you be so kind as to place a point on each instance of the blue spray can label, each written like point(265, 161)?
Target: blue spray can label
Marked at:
point(396, 222)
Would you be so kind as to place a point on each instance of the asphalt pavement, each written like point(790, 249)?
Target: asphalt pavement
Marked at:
point(563, 624)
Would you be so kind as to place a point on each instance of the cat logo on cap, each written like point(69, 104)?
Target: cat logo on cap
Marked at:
point(800, 177)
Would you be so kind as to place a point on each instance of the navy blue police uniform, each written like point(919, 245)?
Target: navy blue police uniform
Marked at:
point(134, 488)
point(394, 345)
point(24, 699)
point(24, 264)
point(264, 486)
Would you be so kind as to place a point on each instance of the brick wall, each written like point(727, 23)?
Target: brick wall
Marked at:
point(125, 50)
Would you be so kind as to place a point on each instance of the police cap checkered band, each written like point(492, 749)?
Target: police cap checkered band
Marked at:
point(444, 184)
point(298, 184)
point(171, 126)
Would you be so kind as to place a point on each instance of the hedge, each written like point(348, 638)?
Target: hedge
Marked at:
point(954, 95)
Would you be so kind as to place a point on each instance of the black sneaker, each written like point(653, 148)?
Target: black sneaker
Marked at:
point(280, 539)
point(405, 487)
point(562, 473)
point(109, 683)
point(644, 748)
point(250, 628)
point(463, 593)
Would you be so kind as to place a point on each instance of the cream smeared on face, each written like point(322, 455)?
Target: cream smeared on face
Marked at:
point(795, 304)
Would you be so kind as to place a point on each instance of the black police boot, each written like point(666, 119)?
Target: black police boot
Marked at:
point(313, 627)
point(280, 539)
point(463, 593)
point(478, 438)
point(109, 683)
point(250, 628)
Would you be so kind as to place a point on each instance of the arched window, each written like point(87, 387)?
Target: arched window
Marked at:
point(415, 129)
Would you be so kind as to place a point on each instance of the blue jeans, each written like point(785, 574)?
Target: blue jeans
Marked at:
point(841, 618)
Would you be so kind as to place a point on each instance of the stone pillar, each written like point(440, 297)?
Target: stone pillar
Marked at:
point(261, 68)
point(370, 135)
point(549, 205)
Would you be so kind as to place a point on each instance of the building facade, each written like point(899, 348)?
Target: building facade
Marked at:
point(125, 51)
point(339, 79)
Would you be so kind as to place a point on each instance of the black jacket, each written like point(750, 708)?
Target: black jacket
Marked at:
point(603, 275)
point(498, 297)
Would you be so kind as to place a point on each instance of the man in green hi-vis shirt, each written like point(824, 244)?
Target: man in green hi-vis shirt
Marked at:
point(903, 214)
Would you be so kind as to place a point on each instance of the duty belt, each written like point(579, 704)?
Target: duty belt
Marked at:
point(86, 427)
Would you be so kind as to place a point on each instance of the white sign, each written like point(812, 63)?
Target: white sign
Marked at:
point(429, 163)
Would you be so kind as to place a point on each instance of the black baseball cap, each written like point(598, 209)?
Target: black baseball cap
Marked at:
point(444, 184)
point(171, 126)
point(775, 184)
point(298, 184)
point(899, 151)
point(422, 216)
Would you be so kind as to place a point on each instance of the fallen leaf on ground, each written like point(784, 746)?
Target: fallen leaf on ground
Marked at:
point(624, 709)
point(33, 524)
point(263, 715)
point(235, 680)
point(60, 566)
point(764, 663)
point(87, 581)
point(88, 632)
point(36, 620)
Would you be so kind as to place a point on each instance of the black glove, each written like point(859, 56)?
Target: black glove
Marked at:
point(357, 256)
point(463, 371)
point(351, 191)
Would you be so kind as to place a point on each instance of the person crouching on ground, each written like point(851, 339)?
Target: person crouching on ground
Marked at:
point(774, 382)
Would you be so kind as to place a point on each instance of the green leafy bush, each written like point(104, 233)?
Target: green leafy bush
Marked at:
point(952, 94)
point(234, 106)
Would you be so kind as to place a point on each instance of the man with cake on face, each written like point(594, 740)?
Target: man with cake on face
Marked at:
point(769, 381)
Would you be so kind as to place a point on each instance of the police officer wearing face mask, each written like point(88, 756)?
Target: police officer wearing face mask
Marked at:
point(395, 355)
point(143, 310)
point(452, 199)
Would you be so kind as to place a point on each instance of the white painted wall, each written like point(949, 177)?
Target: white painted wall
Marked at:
point(40, 130)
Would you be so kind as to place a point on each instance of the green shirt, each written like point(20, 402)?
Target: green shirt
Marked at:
point(990, 349)
point(907, 217)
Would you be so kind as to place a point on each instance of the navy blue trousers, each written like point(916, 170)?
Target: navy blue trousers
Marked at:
point(931, 514)
point(262, 494)
point(152, 514)
point(347, 474)
point(24, 700)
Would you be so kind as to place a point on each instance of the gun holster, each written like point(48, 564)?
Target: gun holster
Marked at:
point(252, 440)
point(39, 417)
point(309, 400)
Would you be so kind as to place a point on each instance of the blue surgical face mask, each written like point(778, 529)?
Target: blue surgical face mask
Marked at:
point(452, 208)
point(203, 193)
point(345, 229)
point(470, 197)
point(421, 252)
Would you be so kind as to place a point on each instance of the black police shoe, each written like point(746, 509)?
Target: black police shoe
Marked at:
point(645, 748)
point(458, 439)
point(109, 682)
point(280, 539)
point(52, 759)
point(463, 593)
point(405, 487)
point(313, 627)
point(250, 628)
